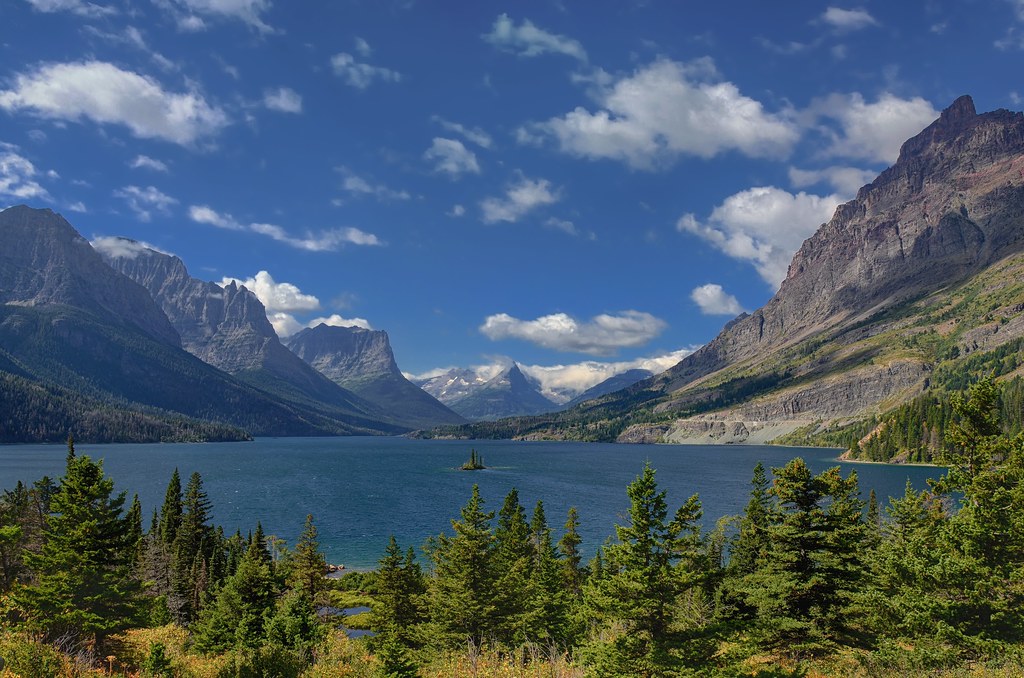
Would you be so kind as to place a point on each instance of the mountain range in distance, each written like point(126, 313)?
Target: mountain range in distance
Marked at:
point(920, 277)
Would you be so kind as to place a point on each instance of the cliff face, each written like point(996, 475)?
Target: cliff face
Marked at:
point(362, 361)
point(950, 206)
point(44, 261)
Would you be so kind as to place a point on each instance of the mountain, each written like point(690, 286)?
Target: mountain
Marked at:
point(614, 383)
point(916, 277)
point(362, 361)
point(455, 384)
point(507, 394)
point(227, 327)
point(84, 340)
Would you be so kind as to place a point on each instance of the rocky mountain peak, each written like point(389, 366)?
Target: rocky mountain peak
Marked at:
point(44, 260)
point(345, 354)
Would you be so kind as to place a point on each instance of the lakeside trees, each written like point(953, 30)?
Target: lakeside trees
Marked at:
point(809, 574)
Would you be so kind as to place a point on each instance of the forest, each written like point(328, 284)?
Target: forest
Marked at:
point(811, 579)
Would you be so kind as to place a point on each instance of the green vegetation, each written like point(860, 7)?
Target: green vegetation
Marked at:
point(475, 462)
point(811, 580)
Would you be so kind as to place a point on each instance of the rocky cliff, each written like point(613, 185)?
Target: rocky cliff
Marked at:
point(362, 361)
point(510, 393)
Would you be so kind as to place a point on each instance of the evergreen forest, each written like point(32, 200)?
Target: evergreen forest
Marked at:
point(813, 579)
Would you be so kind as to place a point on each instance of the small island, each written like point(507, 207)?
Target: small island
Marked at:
point(475, 463)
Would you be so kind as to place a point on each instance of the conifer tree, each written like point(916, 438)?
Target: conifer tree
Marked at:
point(547, 603)
point(191, 550)
point(84, 586)
point(307, 564)
point(170, 513)
point(462, 591)
point(513, 561)
point(647, 570)
point(569, 545)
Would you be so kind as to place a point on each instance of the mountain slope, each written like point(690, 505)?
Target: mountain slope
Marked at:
point(227, 327)
point(70, 322)
point(873, 302)
point(362, 361)
point(611, 385)
point(509, 393)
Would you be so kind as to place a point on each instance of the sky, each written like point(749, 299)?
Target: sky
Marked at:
point(582, 187)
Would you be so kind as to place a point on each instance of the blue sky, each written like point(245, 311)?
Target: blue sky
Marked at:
point(565, 184)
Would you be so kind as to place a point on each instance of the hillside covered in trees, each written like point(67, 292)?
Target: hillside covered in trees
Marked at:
point(811, 579)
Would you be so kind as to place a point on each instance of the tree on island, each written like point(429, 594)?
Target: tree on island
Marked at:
point(475, 463)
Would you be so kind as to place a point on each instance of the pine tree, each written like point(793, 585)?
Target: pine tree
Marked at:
point(84, 585)
point(307, 564)
point(648, 570)
point(547, 605)
point(191, 550)
point(573, 573)
point(170, 513)
point(513, 561)
point(462, 590)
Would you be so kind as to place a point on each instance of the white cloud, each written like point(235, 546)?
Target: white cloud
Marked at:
point(247, 11)
point(527, 40)
point(451, 157)
point(357, 185)
point(145, 201)
point(284, 297)
point(763, 225)
point(521, 197)
point(17, 176)
point(105, 94)
point(323, 241)
point(116, 247)
point(360, 75)
point(602, 335)
point(456, 211)
point(473, 135)
point(285, 324)
point(713, 300)
point(563, 225)
point(79, 7)
point(561, 383)
point(848, 19)
point(665, 110)
point(846, 181)
point(336, 320)
point(144, 161)
point(872, 131)
point(283, 99)
point(363, 47)
point(78, 207)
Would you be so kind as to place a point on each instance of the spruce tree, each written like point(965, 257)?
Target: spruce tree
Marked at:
point(573, 572)
point(462, 591)
point(513, 561)
point(648, 569)
point(84, 587)
point(170, 513)
point(307, 564)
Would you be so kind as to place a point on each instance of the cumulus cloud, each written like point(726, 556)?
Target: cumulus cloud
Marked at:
point(17, 176)
point(872, 131)
point(602, 335)
point(527, 40)
point(713, 300)
point(848, 19)
point(665, 110)
point(284, 297)
point(146, 162)
point(474, 135)
point(145, 201)
point(116, 247)
point(360, 75)
point(521, 197)
point(79, 7)
point(283, 100)
point(846, 181)
point(189, 12)
point(356, 185)
point(336, 320)
point(106, 94)
point(763, 225)
point(322, 241)
point(451, 157)
point(562, 383)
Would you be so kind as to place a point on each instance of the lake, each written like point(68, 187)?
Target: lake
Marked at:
point(362, 489)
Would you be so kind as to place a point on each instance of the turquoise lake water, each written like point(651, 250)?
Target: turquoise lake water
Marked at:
point(360, 490)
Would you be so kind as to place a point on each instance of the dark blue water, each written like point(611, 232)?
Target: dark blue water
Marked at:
point(360, 490)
